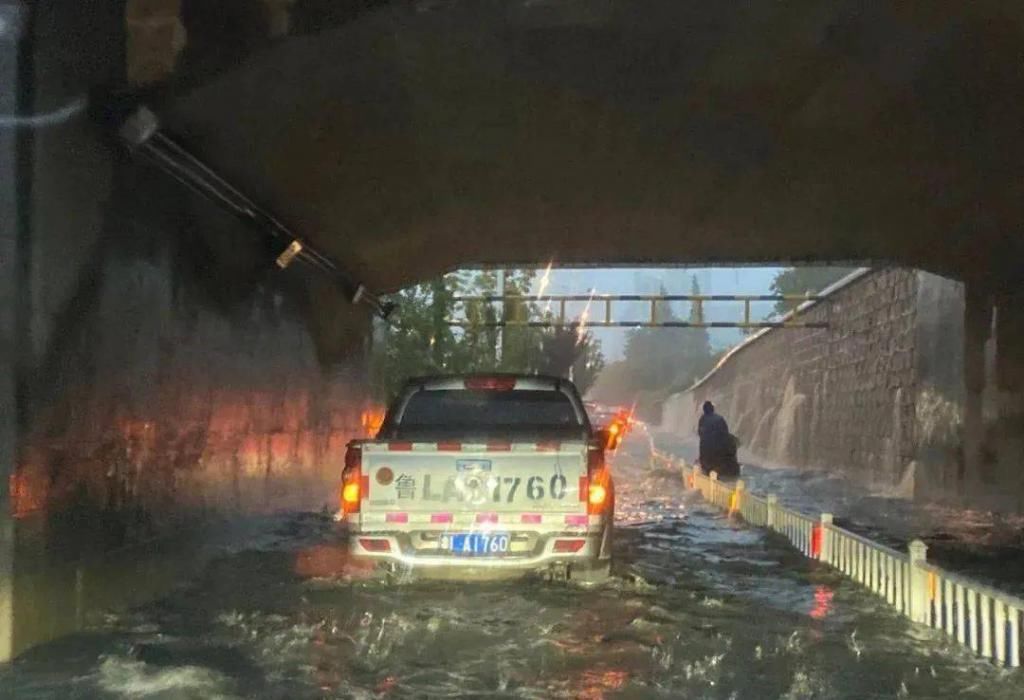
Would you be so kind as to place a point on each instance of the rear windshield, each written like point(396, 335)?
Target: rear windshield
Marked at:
point(504, 414)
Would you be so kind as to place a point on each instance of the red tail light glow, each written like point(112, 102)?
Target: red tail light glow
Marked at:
point(354, 488)
point(490, 383)
point(598, 481)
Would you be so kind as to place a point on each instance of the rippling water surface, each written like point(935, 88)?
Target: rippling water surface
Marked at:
point(700, 607)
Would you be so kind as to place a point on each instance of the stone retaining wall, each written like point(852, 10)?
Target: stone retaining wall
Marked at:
point(856, 396)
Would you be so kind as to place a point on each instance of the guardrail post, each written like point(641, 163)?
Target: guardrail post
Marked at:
point(773, 503)
point(919, 603)
point(825, 551)
point(736, 499)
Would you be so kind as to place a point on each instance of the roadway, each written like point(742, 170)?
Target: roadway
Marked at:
point(700, 606)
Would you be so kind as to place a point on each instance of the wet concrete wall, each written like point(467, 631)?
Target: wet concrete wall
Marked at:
point(877, 394)
point(160, 375)
point(164, 369)
point(11, 19)
point(940, 391)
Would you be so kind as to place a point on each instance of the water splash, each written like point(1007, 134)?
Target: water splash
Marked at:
point(129, 678)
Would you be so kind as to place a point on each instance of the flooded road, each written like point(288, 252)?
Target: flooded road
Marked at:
point(985, 546)
point(700, 607)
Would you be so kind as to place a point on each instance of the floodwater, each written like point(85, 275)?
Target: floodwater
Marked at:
point(985, 546)
point(699, 607)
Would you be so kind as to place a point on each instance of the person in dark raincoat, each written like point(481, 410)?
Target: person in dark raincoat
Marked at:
point(717, 445)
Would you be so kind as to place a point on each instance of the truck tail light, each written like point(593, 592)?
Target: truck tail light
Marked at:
point(490, 383)
point(354, 487)
point(598, 481)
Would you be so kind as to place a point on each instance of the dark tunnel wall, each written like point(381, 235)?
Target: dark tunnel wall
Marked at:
point(160, 373)
point(159, 395)
point(159, 342)
point(163, 381)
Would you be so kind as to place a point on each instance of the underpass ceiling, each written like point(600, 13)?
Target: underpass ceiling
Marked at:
point(410, 138)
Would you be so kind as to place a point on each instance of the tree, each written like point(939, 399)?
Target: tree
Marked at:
point(803, 281)
point(615, 384)
point(589, 363)
point(420, 341)
point(659, 360)
point(441, 305)
point(565, 352)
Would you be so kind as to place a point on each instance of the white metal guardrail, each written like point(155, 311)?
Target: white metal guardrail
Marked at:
point(977, 616)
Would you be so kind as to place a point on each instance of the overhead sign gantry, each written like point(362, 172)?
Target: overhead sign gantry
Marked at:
point(556, 312)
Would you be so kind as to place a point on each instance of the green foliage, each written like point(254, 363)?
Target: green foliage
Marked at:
point(418, 342)
point(567, 353)
point(659, 360)
point(804, 280)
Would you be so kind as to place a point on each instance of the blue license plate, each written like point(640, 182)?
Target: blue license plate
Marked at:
point(480, 543)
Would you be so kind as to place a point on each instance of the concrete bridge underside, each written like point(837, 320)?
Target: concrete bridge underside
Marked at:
point(407, 138)
point(411, 137)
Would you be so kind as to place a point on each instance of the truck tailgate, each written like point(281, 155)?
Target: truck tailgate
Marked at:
point(460, 478)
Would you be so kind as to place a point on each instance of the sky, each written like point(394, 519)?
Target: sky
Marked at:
point(676, 280)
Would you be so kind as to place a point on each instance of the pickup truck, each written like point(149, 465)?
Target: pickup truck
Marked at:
point(476, 477)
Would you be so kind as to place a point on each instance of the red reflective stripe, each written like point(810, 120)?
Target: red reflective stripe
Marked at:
point(449, 446)
point(487, 517)
point(499, 446)
point(568, 546)
point(364, 486)
point(584, 488)
point(531, 518)
point(576, 520)
point(400, 446)
point(549, 446)
point(396, 518)
point(441, 518)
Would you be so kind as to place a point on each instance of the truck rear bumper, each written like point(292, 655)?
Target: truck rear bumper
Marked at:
point(592, 553)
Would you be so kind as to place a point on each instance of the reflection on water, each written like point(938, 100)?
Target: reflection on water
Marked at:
point(700, 607)
point(986, 546)
point(822, 602)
